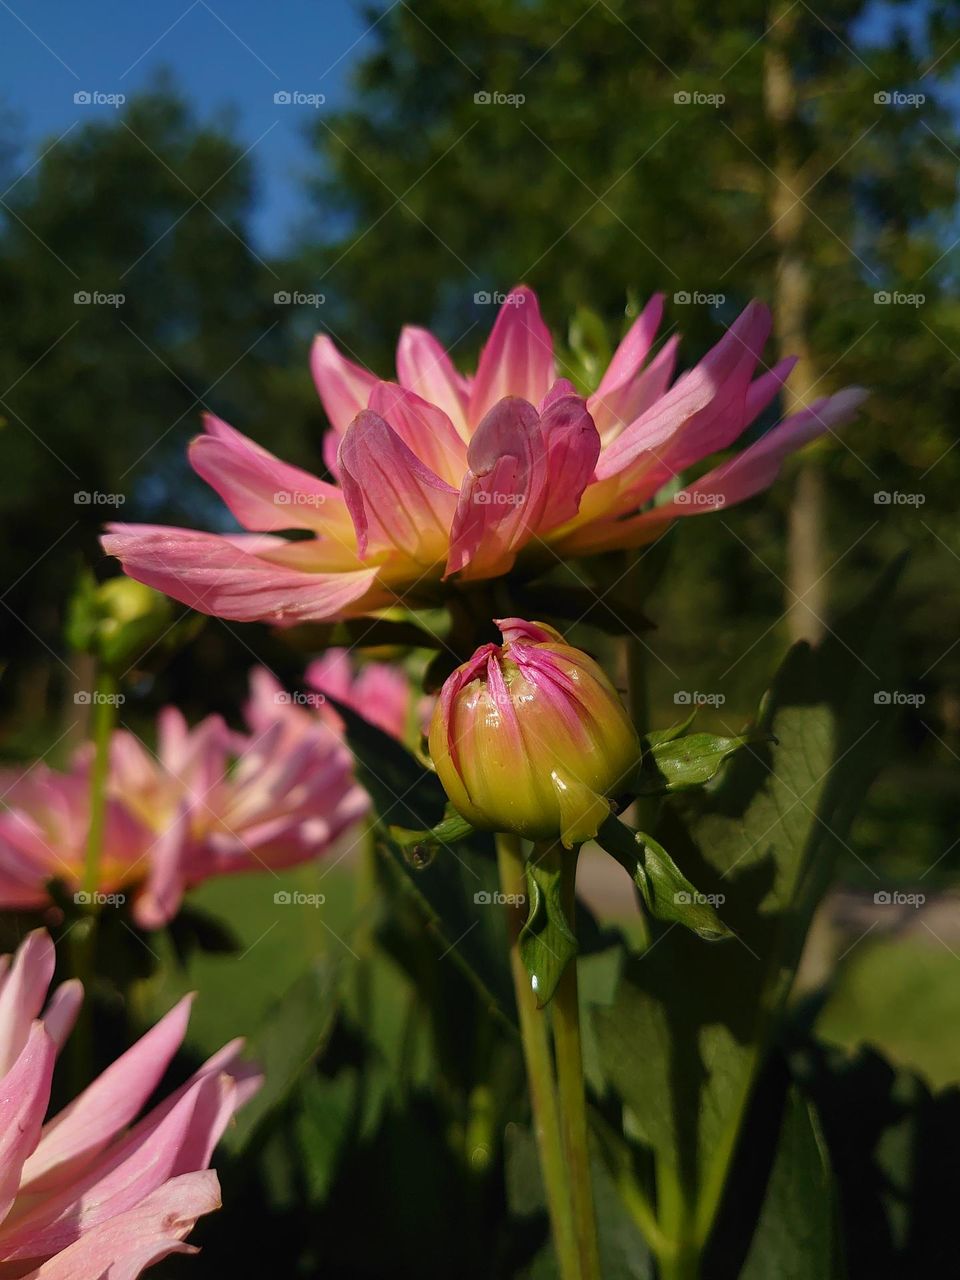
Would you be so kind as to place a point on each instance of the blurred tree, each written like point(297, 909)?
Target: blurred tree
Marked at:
point(133, 300)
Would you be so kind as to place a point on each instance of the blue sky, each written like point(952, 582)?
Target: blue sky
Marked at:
point(229, 57)
point(225, 55)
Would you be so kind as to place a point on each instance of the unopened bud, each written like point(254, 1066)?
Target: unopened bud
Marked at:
point(530, 737)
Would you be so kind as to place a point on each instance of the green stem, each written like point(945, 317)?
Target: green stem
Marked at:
point(572, 1089)
point(536, 1053)
point(83, 936)
point(104, 715)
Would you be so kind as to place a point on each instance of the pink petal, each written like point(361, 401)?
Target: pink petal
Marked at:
point(734, 481)
point(159, 897)
point(262, 492)
point(24, 1097)
point(424, 367)
point(61, 1011)
point(395, 501)
point(504, 493)
point(697, 409)
point(124, 1246)
point(214, 575)
point(88, 1123)
point(572, 446)
point(756, 468)
point(343, 386)
point(425, 429)
point(620, 407)
point(611, 405)
point(517, 359)
point(24, 993)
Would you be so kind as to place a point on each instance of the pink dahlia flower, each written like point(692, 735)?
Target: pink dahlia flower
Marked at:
point(380, 693)
point(94, 1192)
point(442, 474)
point(209, 802)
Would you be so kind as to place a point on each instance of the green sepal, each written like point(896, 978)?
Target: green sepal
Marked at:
point(547, 942)
point(421, 847)
point(679, 763)
point(667, 893)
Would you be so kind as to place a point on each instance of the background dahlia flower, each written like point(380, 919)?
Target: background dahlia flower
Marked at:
point(442, 474)
point(210, 801)
point(94, 1192)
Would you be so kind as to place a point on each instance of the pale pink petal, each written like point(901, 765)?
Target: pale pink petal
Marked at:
point(504, 493)
point(24, 994)
point(88, 1123)
point(425, 429)
point(123, 1175)
point(61, 1012)
point(264, 493)
point(124, 1246)
point(214, 575)
point(572, 446)
point(424, 367)
point(517, 359)
point(395, 501)
point(24, 1097)
point(343, 386)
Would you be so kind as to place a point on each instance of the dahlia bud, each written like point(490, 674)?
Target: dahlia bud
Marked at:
point(531, 737)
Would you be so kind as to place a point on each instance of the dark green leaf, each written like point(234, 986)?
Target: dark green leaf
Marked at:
point(794, 1235)
point(286, 1043)
point(683, 1043)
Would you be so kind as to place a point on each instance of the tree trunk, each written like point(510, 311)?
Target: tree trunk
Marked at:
point(805, 596)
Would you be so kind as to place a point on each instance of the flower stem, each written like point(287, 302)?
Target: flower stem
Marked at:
point(83, 936)
point(572, 1090)
point(104, 715)
point(536, 1053)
